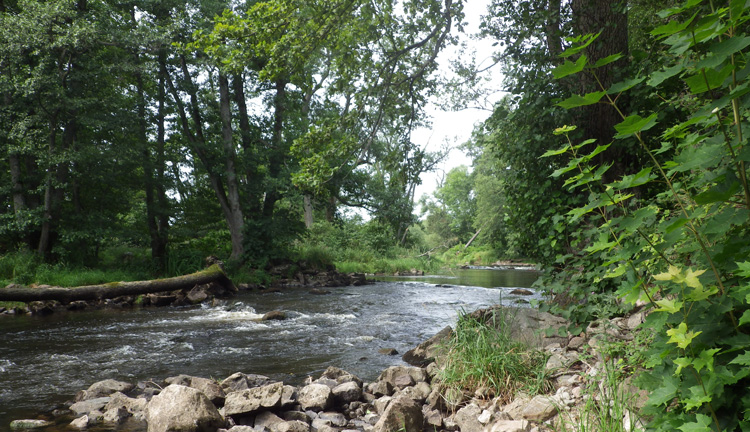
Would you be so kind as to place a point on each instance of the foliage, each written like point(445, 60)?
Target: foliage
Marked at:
point(482, 355)
point(674, 234)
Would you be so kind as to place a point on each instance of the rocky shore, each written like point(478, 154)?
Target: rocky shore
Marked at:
point(403, 398)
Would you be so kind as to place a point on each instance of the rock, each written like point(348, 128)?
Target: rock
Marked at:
point(208, 387)
point(340, 376)
point(381, 404)
point(425, 352)
point(198, 294)
point(135, 406)
point(388, 351)
point(295, 415)
point(104, 388)
point(29, 424)
point(347, 392)
point(87, 406)
point(635, 320)
point(315, 397)
point(184, 409)
point(268, 420)
point(402, 376)
point(432, 418)
point(288, 396)
point(293, 426)
point(576, 343)
point(467, 418)
point(116, 415)
point(274, 315)
point(319, 291)
point(539, 409)
point(239, 381)
point(522, 291)
point(253, 399)
point(80, 423)
point(381, 388)
point(402, 414)
point(524, 324)
point(333, 418)
point(510, 426)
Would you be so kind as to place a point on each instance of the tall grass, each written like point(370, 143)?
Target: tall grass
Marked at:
point(483, 355)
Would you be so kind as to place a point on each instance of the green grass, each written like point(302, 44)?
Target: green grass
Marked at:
point(483, 356)
point(388, 265)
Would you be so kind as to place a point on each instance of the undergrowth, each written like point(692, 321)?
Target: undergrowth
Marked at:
point(482, 355)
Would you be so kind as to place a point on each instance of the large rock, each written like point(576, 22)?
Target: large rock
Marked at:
point(509, 426)
point(340, 376)
point(402, 414)
point(29, 424)
point(293, 426)
point(208, 387)
point(524, 324)
point(104, 388)
point(267, 419)
point(467, 418)
point(239, 381)
point(315, 397)
point(347, 392)
point(183, 409)
point(254, 399)
point(89, 405)
point(539, 409)
point(426, 352)
point(403, 376)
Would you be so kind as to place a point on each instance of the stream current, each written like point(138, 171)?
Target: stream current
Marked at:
point(44, 361)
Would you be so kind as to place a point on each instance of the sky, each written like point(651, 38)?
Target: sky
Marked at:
point(455, 127)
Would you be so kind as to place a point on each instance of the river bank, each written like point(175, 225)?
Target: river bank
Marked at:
point(402, 397)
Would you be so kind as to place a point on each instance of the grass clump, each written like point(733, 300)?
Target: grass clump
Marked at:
point(482, 358)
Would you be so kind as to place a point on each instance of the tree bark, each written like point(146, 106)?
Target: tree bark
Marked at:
point(235, 218)
point(308, 207)
point(116, 289)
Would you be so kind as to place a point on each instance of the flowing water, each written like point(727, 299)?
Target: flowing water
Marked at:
point(44, 361)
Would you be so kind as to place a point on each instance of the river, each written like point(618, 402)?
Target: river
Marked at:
point(44, 361)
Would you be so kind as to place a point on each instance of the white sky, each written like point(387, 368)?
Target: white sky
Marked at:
point(456, 127)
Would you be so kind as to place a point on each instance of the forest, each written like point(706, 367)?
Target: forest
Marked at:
point(144, 136)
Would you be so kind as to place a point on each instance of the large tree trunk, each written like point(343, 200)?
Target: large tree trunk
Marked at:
point(278, 151)
point(116, 289)
point(597, 121)
point(235, 219)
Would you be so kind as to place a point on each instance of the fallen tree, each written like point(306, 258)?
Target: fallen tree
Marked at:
point(213, 274)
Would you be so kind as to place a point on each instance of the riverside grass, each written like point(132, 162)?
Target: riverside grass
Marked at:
point(482, 357)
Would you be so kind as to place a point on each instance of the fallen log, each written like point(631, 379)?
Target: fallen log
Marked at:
point(213, 274)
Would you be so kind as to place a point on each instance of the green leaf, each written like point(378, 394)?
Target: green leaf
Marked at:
point(559, 151)
point(634, 180)
point(669, 306)
point(576, 100)
point(721, 192)
point(664, 393)
point(625, 85)
point(743, 359)
point(681, 362)
point(672, 27)
point(607, 60)
point(702, 424)
point(634, 124)
point(680, 335)
point(569, 68)
point(745, 318)
point(661, 76)
point(708, 79)
point(579, 43)
point(705, 359)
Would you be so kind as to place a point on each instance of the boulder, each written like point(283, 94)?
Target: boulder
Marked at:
point(87, 406)
point(29, 424)
point(402, 414)
point(525, 325)
point(467, 418)
point(509, 426)
point(239, 381)
point(208, 387)
point(116, 415)
point(104, 388)
point(332, 418)
point(425, 352)
point(268, 420)
point(254, 399)
point(340, 376)
point(135, 406)
point(403, 376)
point(198, 294)
point(80, 423)
point(380, 388)
point(274, 315)
point(293, 426)
point(538, 409)
point(184, 409)
point(347, 392)
point(315, 397)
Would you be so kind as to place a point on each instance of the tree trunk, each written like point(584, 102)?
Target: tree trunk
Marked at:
point(597, 121)
point(235, 219)
point(276, 158)
point(116, 289)
point(307, 205)
point(253, 187)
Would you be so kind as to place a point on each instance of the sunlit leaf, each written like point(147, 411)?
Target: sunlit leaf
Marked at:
point(669, 306)
point(569, 68)
point(681, 336)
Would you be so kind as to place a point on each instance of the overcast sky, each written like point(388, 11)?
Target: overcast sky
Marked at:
point(456, 127)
